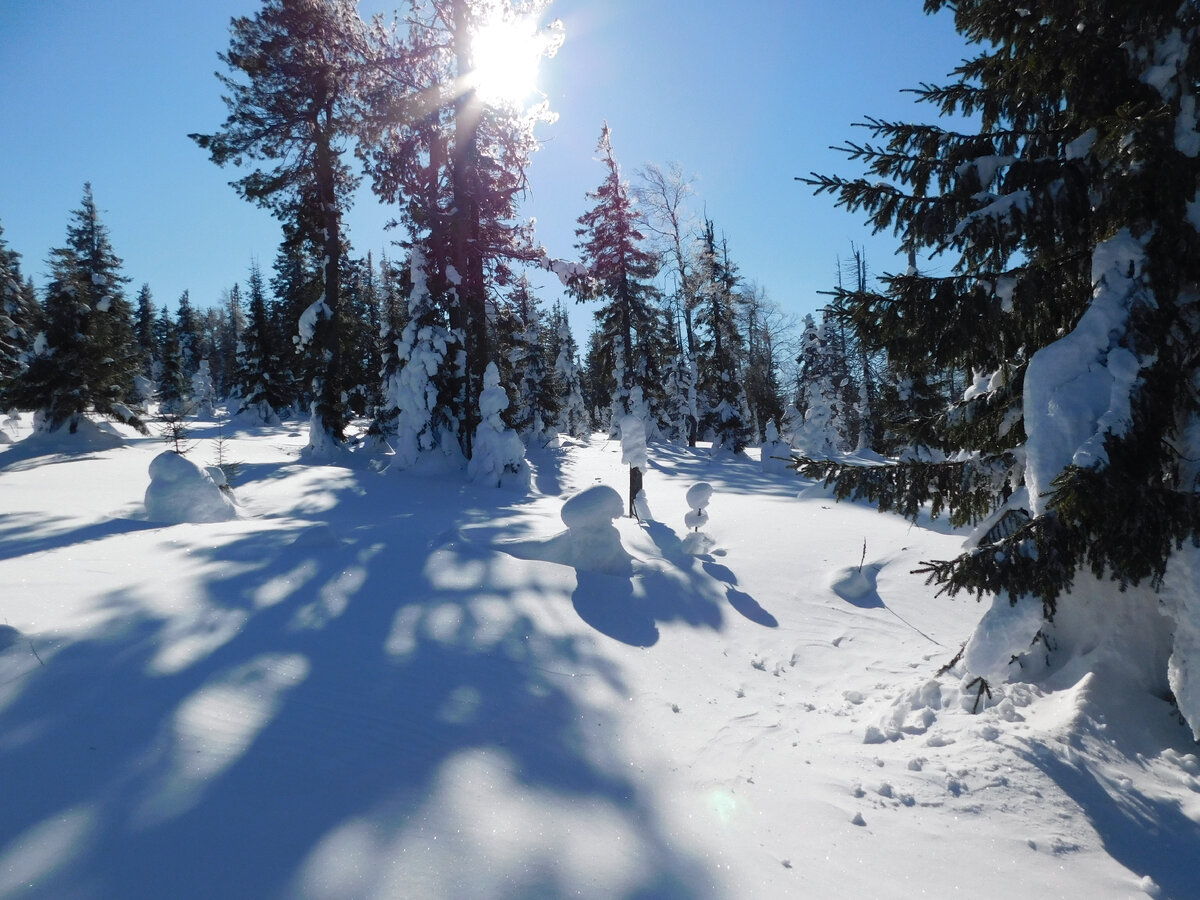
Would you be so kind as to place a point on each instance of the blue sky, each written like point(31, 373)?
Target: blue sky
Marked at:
point(743, 95)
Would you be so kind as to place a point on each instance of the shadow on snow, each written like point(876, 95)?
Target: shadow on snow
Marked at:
point(295, 730)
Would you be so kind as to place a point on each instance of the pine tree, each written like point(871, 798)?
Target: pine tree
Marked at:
point(172, 382)
point(620, 273)
point(1069, 215)
point(258, 391)
point(20, 320)
point(723, 414)
point(295, 110)
point(454, 167)
point(89, 357)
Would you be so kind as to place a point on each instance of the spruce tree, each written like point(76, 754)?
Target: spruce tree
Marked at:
point(723, 415)
point(573, 416)
point(144, 328)
point(1068, 211)
point(172, 382)
point(292, 105)
point(535, 410)
point(260, 384)
point(89, 357)
point(620, 273)
point(190, 334)
point(20, 320)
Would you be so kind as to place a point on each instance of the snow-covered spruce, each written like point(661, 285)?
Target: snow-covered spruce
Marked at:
point(776, 452)
point(497, 454)
point(181, 491)
point(412, 389)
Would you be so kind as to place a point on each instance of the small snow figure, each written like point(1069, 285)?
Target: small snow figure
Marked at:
point(698, 496)
point(181, 491)
point(497, 455)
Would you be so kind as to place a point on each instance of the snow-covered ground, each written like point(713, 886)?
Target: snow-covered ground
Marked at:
point(398, 686)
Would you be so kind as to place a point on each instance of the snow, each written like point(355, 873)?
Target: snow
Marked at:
point(360, 687)
point(1077, 390)
point(306, 328)
point(567, 271)
point(633, 442)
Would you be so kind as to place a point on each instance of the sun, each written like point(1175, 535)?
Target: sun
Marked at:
point(506, 54)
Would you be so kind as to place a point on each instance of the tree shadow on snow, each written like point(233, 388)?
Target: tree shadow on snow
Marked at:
point(22, 535)
point(322, 720)
point(1149, 836)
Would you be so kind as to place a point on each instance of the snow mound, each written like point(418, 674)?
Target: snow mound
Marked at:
point(633, 442)
point(181, 491)
point(88, 435)
point(1005, 632)
point(699, 495)
point(856, 585)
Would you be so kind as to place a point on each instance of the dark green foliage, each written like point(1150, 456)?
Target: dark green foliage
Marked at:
point(967, 490)
point(90, 355)
point(261, 382)
point(720, 347)
point(172, 383)
point(190, 336)
point(1086, 141)
point(20, 320)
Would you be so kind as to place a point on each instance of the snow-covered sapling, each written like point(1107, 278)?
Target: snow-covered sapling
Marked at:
point(173, 428)
point(181, 491)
